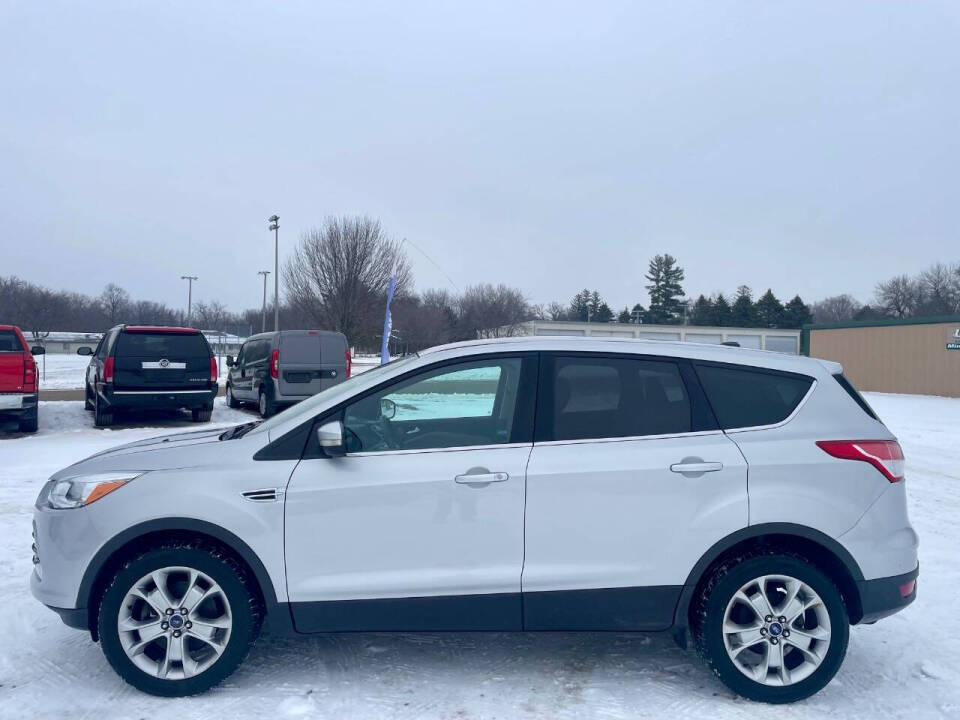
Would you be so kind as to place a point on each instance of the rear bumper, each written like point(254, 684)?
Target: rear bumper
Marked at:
point(885, 596)
point(159, 399)
point(17, 404)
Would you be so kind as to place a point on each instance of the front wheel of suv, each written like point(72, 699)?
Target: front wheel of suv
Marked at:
point(772, 627)
point(230, 399)
point(178, 619)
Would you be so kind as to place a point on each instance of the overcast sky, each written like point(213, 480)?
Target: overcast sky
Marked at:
point(809, 147)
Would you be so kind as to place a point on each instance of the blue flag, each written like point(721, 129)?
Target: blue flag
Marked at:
point(388, 321)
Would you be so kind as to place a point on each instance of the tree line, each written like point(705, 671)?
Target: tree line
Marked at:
point(338, 274)
point(933, 292)
point(669, 306)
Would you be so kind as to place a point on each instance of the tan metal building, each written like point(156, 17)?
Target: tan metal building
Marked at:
point(919, 356)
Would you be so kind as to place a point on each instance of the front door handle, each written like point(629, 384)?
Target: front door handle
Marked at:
point(482, 478)
point(687, 468)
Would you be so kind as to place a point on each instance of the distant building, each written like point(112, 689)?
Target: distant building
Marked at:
point(776, 340)
point(916, 356)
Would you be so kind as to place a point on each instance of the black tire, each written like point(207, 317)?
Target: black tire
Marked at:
point(29, 423)
point(231, 400)
point(245, 608)
point(265, 404)
point(709, 607)
point(87, 402)
point(102, 415)
point(201, 415)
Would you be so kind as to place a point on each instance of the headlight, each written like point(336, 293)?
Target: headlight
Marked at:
point(84, 489)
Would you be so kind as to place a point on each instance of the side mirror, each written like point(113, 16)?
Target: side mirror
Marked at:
point(38, 350)
point(330, 437)
point(84, 350)
point(230, 362)
point(388, 408)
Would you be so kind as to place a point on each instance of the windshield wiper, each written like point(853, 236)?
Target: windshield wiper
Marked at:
point(239, 430)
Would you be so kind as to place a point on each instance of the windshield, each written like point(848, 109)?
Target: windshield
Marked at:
point(305, 409)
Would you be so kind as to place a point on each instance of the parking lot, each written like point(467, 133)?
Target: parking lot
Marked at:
point(905, 666)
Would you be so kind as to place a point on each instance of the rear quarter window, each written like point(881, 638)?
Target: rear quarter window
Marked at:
point(9, 342)
point(161, 345)
point(855, 395)
point(745, 397)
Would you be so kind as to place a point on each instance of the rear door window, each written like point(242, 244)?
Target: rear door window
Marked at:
point(750, 397)
point(300, 349)
point(608, 397)
point(161, 345)
point(9, 342)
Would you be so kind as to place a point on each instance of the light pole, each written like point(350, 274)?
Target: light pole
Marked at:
point(275, 226)
point(263, 324)
point(189, 279)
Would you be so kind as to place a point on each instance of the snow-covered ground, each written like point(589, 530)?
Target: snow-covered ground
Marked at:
point(906, 666)
point(66, 372)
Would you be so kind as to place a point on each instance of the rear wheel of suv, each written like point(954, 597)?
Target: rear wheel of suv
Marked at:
point(178, 619)
point(265, 404)
point(102, 415)
point(202, 414)
point(773, 627)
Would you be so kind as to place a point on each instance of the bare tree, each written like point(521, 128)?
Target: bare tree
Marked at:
point(941, 289)
point(900, 296)
point(210, 315)
point(115, 302)
point(488, 312)
point(838, 308)
point(339, 273)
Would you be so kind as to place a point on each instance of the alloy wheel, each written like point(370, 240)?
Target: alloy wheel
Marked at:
point(776, 630)
point(174, 623)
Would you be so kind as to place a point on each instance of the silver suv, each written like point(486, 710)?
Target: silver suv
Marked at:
point(277, 369)
point(529, 484)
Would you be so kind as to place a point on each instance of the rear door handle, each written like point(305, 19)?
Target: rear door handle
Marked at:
point(696, 467)
point(482, 478)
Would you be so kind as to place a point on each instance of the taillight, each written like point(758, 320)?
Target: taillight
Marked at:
point(29, 373)
point(348, 360)
point(213, 369)
point(885, 455)
point(275, 364)
point(108, 369)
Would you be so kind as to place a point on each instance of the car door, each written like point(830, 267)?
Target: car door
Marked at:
point(629, 483)
point(420, 525)
point(240, 381)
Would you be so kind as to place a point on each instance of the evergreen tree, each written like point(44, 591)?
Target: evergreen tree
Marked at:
point(702, 312)
point(720, 317)
point(595, 303)
point(742, 313)
point(796, 313)
point(580, 306)
point(665, 290)
point(624, 316)
point(638, 314)
point(769, 310)
point(604, 314)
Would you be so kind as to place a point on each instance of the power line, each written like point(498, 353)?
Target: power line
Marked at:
point(434, 262)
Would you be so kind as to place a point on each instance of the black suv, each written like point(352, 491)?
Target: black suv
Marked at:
point(150, 368)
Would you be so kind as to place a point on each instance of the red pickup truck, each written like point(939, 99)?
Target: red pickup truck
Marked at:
point(18, 379)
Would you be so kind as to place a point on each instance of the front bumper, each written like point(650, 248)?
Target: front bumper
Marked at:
point(159, 399)
point(17, 404)
point(885, 596)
